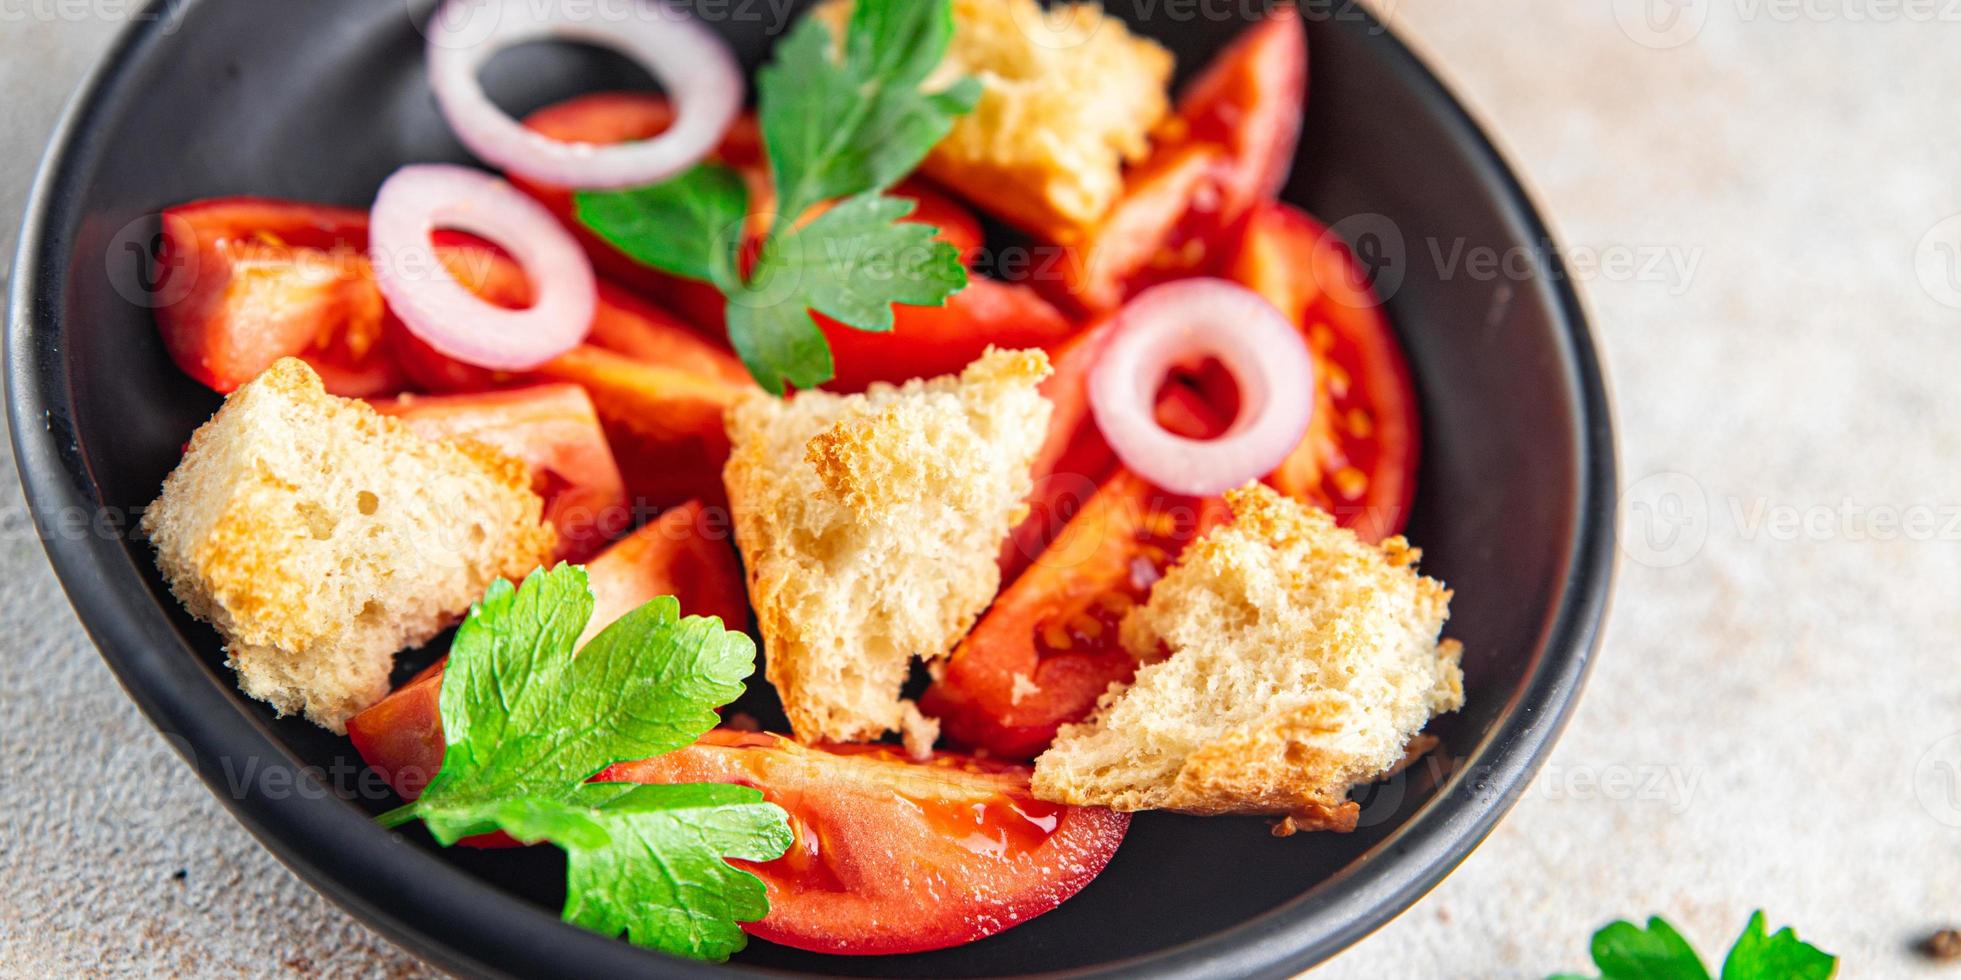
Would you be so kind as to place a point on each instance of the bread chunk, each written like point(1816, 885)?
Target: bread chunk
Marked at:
point(1068, 96)
point(870, 525)
point(1302, 661)
point(320, 538)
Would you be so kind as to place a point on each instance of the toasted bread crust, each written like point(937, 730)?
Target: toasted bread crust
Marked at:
point(869, 525)
point(1303, 662)
point(320, 537)
point(1068, 96)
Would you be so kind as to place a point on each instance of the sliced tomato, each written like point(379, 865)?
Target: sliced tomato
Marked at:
point(1162, 223)
point(665, 423)
point(1251, 100)
point(1072, 463)
point(555, 431)
point(1048, 647)
point(685, 553)
point(604, 118)
point(253, 280)
point(1359, 458)
point(928, 341)
point(893, 856)
point(688, 552)
point(1230, 146)
point(626, 324)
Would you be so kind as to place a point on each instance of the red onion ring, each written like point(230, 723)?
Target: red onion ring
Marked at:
point(1181, 323)
point(420, 199)
point(693, 64)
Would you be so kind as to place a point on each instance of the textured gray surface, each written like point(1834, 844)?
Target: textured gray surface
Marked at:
point(1774, 717)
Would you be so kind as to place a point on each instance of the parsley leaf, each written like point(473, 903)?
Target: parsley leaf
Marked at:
point(1780, 956)
point(841, 127)
point(527, 723)
point(1625, 951)
point(851, 263)
point(690, 226)
point(841, 120)
point(780, 343)
point(855, 260)
point(690, 899)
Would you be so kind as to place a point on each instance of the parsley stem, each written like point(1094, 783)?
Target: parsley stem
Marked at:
point(400, 815)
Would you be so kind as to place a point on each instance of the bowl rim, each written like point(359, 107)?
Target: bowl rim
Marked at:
point(449, 917)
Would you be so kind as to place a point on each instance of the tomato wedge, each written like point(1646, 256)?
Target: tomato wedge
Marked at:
point(664, 422)
point(686, 553)
point(1250, 100)
point(1073, 460)
point(659, 387)
point(928, 341)
point(253, 280)
point(555, 431)
point(1048, 647)
point(1158, 230)
point(893, 856)
point(1230, 146)
point(604, 118)
point(1359, 458)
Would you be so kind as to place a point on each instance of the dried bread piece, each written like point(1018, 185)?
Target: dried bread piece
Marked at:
point(320, 538)
point(1302, 663)
point(870, 525)
point(1068, 96)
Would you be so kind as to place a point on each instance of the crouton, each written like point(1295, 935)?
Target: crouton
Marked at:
point(870, 525)
point(1068, 96)
point(320, 538)
point(1302, 661)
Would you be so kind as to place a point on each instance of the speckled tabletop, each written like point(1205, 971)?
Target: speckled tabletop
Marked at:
point(1764, 200)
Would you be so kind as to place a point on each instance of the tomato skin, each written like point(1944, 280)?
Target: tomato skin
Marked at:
point(605, 118)
point(929, 341)
point(659, 387)
point(1359, 458)
point(626, 324)
point(664, 422)
point(1047, 649)
point(1251, 100)
point(894, 856)
point(1230, 146)
point(1073, 461)
point(555, 431)
point(252, 280)
point(684, 553)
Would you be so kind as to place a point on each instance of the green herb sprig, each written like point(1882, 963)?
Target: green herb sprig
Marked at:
point(1625, 951)
point(527, 724)
point(842, 120)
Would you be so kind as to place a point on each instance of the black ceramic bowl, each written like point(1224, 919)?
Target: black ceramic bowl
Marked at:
point(321, 100)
